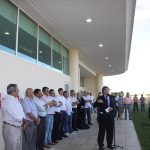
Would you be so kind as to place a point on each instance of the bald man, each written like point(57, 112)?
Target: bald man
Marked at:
point(32, 120)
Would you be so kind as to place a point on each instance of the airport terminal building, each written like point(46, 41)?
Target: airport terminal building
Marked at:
point(70, 44)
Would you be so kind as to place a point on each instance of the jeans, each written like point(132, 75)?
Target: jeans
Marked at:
point(142, 107)
point(128, 108)
point(48, 128)
point(135, 107)
point(68, 124)
point(88, 113)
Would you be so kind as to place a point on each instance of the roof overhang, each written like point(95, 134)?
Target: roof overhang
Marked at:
point(112, 26)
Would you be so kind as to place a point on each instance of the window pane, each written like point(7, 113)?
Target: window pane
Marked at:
point(66, 61)
point(44, 47)
point(27, 38)
point(8, 19)
point(82, 81)
point(66, 87)
point(57, 55)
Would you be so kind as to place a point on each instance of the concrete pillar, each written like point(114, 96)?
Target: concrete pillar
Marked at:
point(99, 82)
point(74, 69)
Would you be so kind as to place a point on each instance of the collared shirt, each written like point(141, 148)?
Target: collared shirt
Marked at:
point(86, 99)
point(41, 110)
point(142, 100)
point(62, 99)
point(127, 100)
point(135, 99)
point(73, 100)
point(47, 99)
point(92, 98)
point(29, 107)
point(68, 104)
point(57, 107)
point(12, 111)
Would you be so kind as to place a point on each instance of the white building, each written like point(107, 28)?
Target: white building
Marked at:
point(67, 43)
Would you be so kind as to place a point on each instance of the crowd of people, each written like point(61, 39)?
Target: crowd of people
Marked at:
point(125, 104)
point(42, 118)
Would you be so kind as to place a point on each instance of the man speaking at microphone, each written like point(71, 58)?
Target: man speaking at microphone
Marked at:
point(106, 105)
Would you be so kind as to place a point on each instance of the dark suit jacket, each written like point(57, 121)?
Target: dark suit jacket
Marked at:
point(103, 106)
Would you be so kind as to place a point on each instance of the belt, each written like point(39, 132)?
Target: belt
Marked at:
point(11, 124)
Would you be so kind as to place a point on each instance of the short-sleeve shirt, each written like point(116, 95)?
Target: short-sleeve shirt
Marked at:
point(62, 99)
point(142, 100)
point(41, 110)
point(87, 104)
point(29, 107)
point(47, 99)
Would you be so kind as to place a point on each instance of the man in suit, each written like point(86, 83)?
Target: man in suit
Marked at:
point(106, 108)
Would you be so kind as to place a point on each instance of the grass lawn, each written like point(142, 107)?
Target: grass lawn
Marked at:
point(140, 121)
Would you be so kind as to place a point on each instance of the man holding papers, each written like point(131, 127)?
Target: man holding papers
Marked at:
point(106, 105)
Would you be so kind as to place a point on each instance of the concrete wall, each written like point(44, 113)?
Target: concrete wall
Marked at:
point(90, 85)
point(26, 74)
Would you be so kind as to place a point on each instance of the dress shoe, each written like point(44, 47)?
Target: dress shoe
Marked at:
point(76, 130)
point(55, 142)
point(65, 135)
point(52, 143)
point(60, 138)
point(110, 147)
point(90, 124)
point(46, 146)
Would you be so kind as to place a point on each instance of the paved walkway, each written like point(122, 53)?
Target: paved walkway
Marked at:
point(87, 139)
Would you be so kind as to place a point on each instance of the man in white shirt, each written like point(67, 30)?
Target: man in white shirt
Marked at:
point(87, 100)
point(68, 121)
point(13, 116)
point(32, 121)
point(92, 103)
point(41, 110)
point(61, 99)
point(49, 117)
point(57, 117)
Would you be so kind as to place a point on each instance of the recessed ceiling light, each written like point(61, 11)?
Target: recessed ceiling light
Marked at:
point(7, 33)
point(110, 65)
point(100, 45)
point(40, 52)
point(59, 62)
point(106, 58)
point(88, 20)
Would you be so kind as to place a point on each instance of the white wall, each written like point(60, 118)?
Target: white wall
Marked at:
point(26, 74)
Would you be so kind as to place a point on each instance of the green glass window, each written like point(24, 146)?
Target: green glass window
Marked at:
point(27, 37)
point(57, 55)
point(65, 61)
point(8, 20)
point(44, 47)
point(82, 81)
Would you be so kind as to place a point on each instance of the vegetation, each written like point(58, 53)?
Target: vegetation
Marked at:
point(142, 127)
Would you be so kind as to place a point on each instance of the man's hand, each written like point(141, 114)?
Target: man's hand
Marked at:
point(110, 109)
point(37, 121)
point(24, 126)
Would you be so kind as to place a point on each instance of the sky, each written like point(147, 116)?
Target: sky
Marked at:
point(137, 78)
